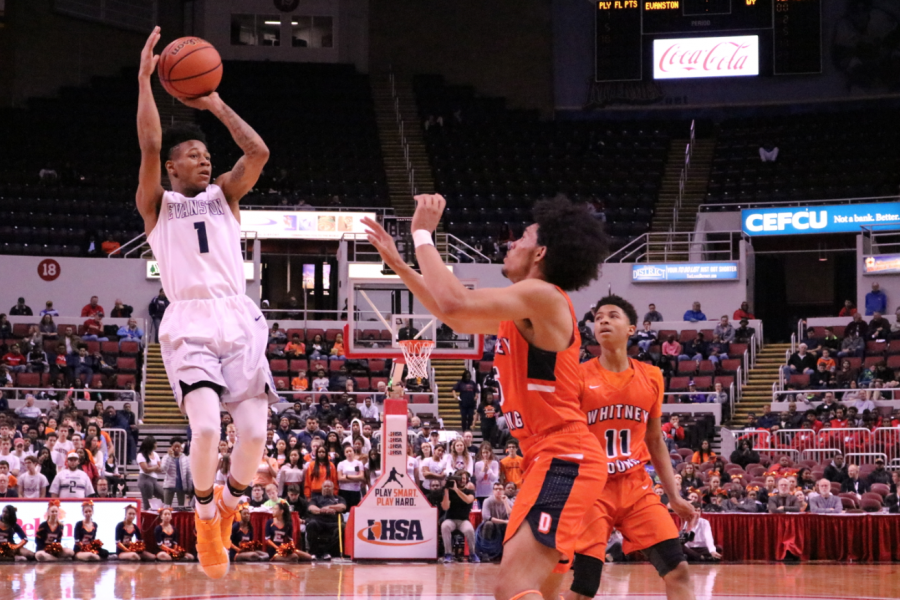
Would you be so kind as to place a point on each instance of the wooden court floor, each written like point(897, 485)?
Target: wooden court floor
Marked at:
point(113, 581)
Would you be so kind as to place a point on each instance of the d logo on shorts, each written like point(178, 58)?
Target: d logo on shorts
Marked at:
point(545, 523)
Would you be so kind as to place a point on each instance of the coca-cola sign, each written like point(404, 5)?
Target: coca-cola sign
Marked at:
point(692, 58)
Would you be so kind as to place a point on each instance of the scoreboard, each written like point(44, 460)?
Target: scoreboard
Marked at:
point(789, 33)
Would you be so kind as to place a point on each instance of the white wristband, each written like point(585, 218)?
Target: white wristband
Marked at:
point(422, 237)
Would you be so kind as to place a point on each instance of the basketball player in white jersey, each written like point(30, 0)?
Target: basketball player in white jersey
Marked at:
point(213, 337)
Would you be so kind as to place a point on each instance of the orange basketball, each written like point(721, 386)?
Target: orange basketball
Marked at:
point(190, 67)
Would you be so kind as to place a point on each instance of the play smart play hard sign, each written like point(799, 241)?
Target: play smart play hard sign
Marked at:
point(394, 520)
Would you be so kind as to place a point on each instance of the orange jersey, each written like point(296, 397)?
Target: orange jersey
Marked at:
point(618, 407)
point(539, 389)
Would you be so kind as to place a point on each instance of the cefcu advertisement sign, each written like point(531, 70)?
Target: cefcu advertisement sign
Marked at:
point(107, 514)
point(835, 218)
point(883, 264)
point(658, 273)
point(696, 58)
point(394, 520)
point(302, 225)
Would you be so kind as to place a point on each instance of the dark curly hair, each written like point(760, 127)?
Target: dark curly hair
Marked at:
point(575, 241)
point(622, 303)
point(175, 135)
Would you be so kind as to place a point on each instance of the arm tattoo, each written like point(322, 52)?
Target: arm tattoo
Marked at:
point(244, 136)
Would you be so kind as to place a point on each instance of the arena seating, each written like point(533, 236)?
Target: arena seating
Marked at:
point(821, 156)
point(318, 122)
point(492, 163)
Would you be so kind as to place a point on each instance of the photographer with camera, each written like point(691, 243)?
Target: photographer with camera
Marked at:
point(459, 494)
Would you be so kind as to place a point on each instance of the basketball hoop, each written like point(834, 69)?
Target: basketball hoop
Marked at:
point(416, 353)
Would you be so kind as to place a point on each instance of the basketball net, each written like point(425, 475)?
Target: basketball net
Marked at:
point(416, 353)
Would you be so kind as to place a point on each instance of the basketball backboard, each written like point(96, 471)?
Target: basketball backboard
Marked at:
point(382, 312)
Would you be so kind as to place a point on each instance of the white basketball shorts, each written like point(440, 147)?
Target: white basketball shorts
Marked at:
point(222, 340)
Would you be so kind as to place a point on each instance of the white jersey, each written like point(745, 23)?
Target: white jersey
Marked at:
point(72, 484)
point(197, 242)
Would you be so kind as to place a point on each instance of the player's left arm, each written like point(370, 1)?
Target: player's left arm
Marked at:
point(523, 300)
point(662, 463)
point(246, 171)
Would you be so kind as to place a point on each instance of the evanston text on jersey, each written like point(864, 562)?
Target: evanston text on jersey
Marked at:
point(192, 207)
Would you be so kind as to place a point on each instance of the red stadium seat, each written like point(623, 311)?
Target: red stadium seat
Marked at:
point(20, 330)
point(386, 335)
point(708, 334)
point(109, 348)
point(98, 381)
point(873, 347)
point(311, 333)
point(376, 380)
point(363, 384)
point(300, 332)
point(687, 367)
point(665, 333)
point(730, 365)
point(893, 362)
point(871, 361)
point(737, 350)
point(93, 347)
point(331, 334)
point(849, 503)
point(335, 364)
point(869, 505)
point(125, 380)
point(676, 457)
point(799, 380)
point(376, 366)
point(686, 453)
point(278, 366)
point(28, 379)
point(855, 361)
point(882, 489)
point(725, 380)
point(485, 366)
point(127, 364)
point(50, 346)
point(873, 496)
point(687, 335)
point(703, 383)
point(299, 365)
point(319, 364)
point(129, 349)
point(285, 380)
point(679, 384)
point(893, 347)
point(706, 367)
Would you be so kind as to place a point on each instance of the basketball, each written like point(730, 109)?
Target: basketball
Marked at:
point(190, 67)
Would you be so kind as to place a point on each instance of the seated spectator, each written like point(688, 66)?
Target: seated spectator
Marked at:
point(852, 483)
point(719, 395)
point(876, 300)
point(29, 410)
point(783, 501)
point(879, 328)
point(495, 514)
point(826, 360)
point(644, 338)
point(671, 350)
point(295, 348)
point(700, 546)
point(276, 336)
point(300, 383)
point(744, 454)
point(121, 310)
point(653, 315)
point(459, 494)
point(857, 326)
point(824, 502)
point(110, 245)
point(821, 377)
point(369, 411)
point(37, 361)
point(130, 333)
point(879, 475)
point(696, 349)
point(744, 333)
point(322, 525)
point(848, 310)
point(20, 309)
point(743, 312)
point(47, 328)
point(693, 396)
point(703, 454)
point(14, 360)
point(673, 432)
point(695, 314)
point(93, 309)
point(717, 349)
point(337, 349)
point(93, 330)
point(724, 330)
point(800, 362)
point(852, 345)
point(830, 340)
point(321, 383)
point(316, 349)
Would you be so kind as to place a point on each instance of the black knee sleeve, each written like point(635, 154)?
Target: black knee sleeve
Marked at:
point(204, 499)
point(666, 556)
point(236, 492)
point(587, 571)
point(188, 388)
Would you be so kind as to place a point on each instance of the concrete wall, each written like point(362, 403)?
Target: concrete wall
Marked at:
point(350, 22)
point(501, 47)
point(79, 279)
